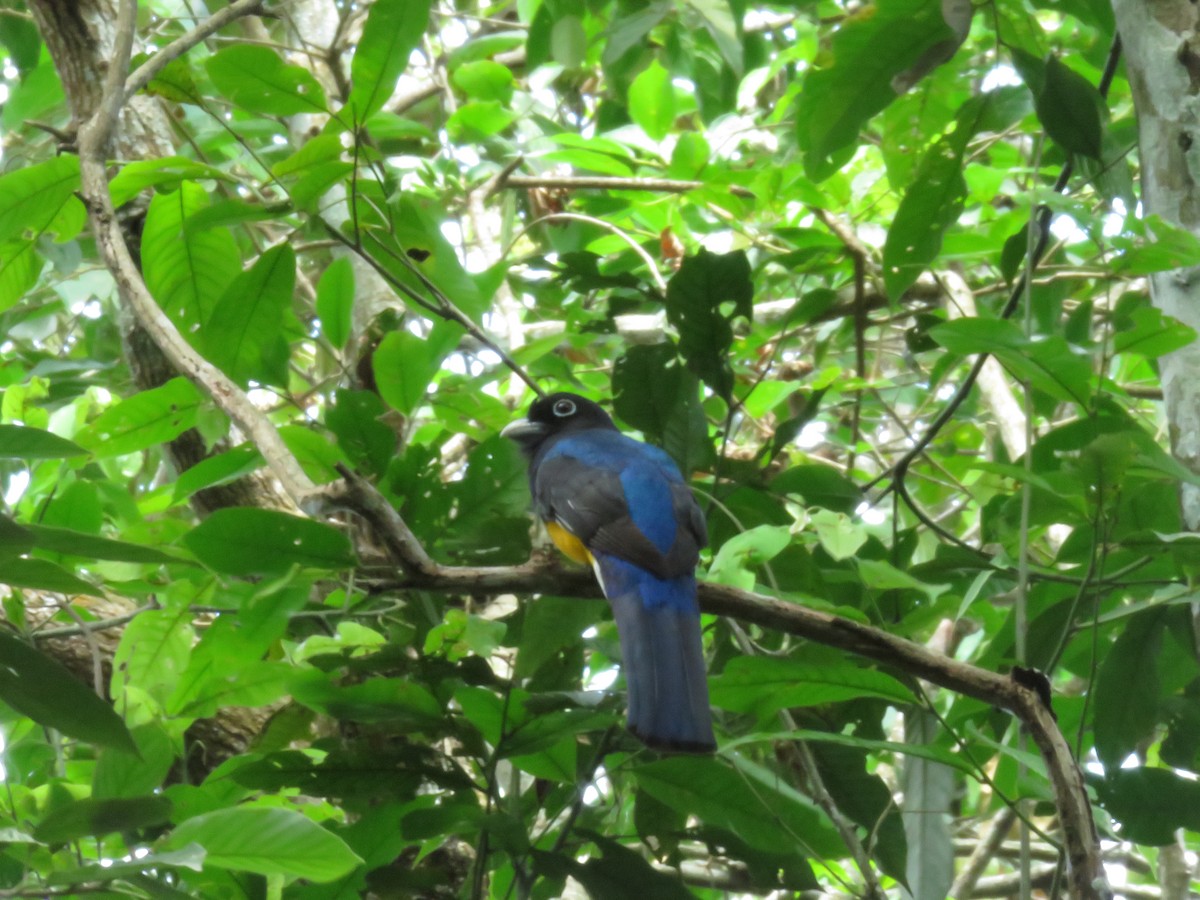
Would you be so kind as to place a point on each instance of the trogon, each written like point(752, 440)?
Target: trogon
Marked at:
point(621, 506)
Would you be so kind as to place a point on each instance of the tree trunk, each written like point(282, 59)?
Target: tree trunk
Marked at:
point(1162, 51)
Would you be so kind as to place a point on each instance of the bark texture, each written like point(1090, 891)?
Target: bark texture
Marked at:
point(1162, 53)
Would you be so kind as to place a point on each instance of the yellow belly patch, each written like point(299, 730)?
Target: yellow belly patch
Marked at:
point(568, 543)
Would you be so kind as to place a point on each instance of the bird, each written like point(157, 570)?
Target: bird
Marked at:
point(622, 507)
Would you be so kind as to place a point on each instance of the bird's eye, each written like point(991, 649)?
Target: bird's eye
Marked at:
point(564, 408)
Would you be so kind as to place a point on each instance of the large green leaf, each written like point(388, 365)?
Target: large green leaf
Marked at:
point(75, 543)
point(741, 797)
point(1126, 692)
point(21, 442)
point(765, 684)
point(267, 842)
point(256, 79)
point(153, 653)
point(144, 420)
point(1070, 108)
point(245, 334)
point(164, 172)
point(187, 271)
point(1150, 804)
point(42, 575)
point(704, 297)
point(15, 540)
point(932, 203)
point(652, 101)
point(1050, 364)
point(869, 50)
point(93, 816)
point(39, 198)
point(390, 34)
point(335, 301)
point(42, 689)
point(240, 541)
point(20, 266)
point(405, 364)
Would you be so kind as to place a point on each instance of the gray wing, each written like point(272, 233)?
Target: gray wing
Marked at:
point(589, 502)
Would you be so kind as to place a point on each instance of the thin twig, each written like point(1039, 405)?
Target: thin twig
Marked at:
point(614, 183)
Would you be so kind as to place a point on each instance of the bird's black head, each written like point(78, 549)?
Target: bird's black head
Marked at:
point(553, 415)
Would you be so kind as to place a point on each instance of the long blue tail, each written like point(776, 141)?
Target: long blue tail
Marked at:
point(663, 657)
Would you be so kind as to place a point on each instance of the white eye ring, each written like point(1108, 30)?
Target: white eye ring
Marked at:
point(564, 408)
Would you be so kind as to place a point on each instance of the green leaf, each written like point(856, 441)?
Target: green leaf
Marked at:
point(1069, 108)
point(652, 101)
point(144, 420)
point(740, 556)
point(840, 535)
point(764, 684)
point(220, 468)
point(931, 204)
point(20, 36)
point(41, 575)
point(743, 798)
point(14, 539)
point(256, 79)
point(120, 774)
point(165, 172)
point(1173, 247)
point(883, 576)
point(190, 857)
point(20, 267)
point(620, 873)
point(243, 541)
point(42, 689)
point(75, 543)
point(92, 816)
point(1151, 804)
point(1151, 334)
point(480, 119)
point(704, 297)
point(1050, 364)
point(153, 653)
point(187, 271)
point(390, 34)
point(395, 700)
point(721, 20)
point(335, 301)
point(654, 393)
point(484, 79)
point(22, 442)
point(41, 197)
point(1126, 693)
point(820, 485)
point(568, 42)
point(268, 842)
point(405, 364)
point(869, 50)
point(245, 334)
point(356, 419)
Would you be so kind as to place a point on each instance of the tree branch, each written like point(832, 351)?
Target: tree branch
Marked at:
point(94, 137)
point(146, 72)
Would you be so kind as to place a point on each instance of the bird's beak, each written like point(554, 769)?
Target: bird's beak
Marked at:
point(523, 431)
